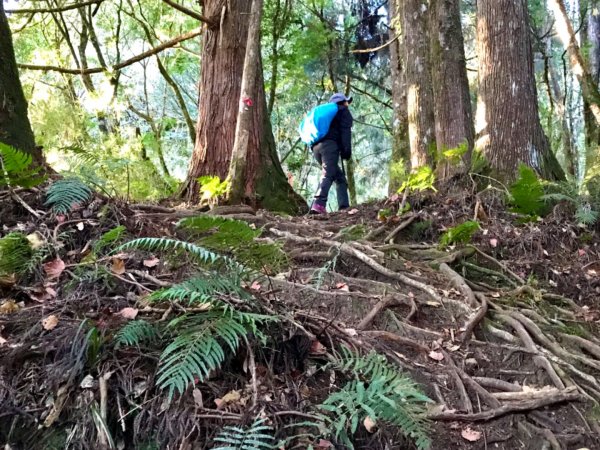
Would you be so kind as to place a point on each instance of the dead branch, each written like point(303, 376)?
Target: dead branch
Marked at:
point(566, 395)
point(526, 395)
point(118, 66)
point(475, 320)
point(495, 383)
point(53, 10)
point(499, 264)
point(190, 12)
point(395, 338)
point(380, 306)
point(404, 224)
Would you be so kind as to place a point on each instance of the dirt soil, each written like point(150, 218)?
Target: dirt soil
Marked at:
point(501, 333)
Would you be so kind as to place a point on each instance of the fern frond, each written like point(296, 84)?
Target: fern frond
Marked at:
point(63, 194)
point(526, 192)
point(386, 395)
point(201, 289)
point(197, 349)
point(15, 254)
point(136, 332)
point(257, 437)
point(165, 244)
point(586, 215)
point(18, 168)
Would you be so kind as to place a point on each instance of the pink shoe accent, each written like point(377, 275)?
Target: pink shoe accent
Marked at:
point(318, 209)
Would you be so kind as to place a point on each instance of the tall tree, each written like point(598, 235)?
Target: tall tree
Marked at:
point(453, 112)
point(400, 147)
point(508, 125)
point(591, 40)
point(223, 53)
point(15, 128)
point(419, 90)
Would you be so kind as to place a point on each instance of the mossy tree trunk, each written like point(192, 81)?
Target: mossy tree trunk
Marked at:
point(508, 126)
point(223, 53)
point(419, 89)
point(453, 112)
point(400, 159)
point(15, 128)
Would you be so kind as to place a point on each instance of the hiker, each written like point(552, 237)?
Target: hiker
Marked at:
point(328, 150)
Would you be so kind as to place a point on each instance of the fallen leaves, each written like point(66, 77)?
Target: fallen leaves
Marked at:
point(50, 322)
point(118, 266)
point(9, 307)
point(128, 313)
point(437, 356)
point(231, 398)
point(370, 424)
point(316, 348)
point(54, 268)
point(151, 262)
point(342, 287)
point(470, 435)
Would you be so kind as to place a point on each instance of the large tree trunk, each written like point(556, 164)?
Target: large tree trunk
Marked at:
point(453, 112)
point(419, 91)
point(15, 129)
point(592, 42)
point(508, 125)
point(224, 48)
point(400, 147)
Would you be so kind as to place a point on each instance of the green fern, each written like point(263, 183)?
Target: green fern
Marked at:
point(460, 234)
point(237, 238)
point(257, 437)
point(15, 254)
point(381, 393)
point(165, 244)
point(197, 349)
point(201, 289)
point(527, 193)
point(586, 215)
point(17, 168)
point(64, 194)
point(136, 332)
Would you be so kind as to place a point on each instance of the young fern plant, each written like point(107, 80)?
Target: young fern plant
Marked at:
point(16, 254)
point(17, 169)
point(135, 333)
point(198, 347)
point(64, 194)
point(201, 289)
point(379, 392)
point(257, 436)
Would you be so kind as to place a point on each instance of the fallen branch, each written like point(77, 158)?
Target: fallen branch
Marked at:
point(395, 338)
point(566, 395)
point(404, 224)
point(380, 306)
point(500, 385)
point(459, 283)
point(475, 320)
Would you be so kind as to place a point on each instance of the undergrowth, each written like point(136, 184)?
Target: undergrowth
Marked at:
point(17, 168)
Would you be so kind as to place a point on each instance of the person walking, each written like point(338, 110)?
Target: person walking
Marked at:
point(335, 145)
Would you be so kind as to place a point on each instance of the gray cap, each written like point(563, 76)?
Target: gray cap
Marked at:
point(339, 97)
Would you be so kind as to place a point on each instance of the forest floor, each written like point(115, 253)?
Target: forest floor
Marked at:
point(501, 333)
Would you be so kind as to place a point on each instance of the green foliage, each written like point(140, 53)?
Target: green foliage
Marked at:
point(15, 254)
point(110, 237)
point(17, 168)
point(201, 289)
point(237, 238)
point(257, 437)
point(165, 244)
point(454, 155)
point(353, 233)
point(460, 234)
point(136, 332)
point(419, 180)
point(379, 392)
point(526, 193)
point(212, 188)
point(64, 194)
point(197, 348)
point(586, 206)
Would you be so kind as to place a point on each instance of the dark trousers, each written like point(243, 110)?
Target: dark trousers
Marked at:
point(327, 154)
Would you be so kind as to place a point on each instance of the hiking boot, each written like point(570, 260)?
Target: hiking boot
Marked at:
point(317, 209)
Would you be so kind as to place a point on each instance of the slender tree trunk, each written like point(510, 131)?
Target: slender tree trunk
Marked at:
point(15, 128)
point(400, 158)
point(592, 40)
point(453, 112)
point(421, 126)
point(243, 129)
point(223, 54)
point(508, 126)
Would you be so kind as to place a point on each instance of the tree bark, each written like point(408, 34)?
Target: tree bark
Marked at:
point(223, 54)
point(243, 129)
point(400, 159)
point(15, 128)
point(592, 130)
point(421, 126)
point(453, 111)
point(508, 126)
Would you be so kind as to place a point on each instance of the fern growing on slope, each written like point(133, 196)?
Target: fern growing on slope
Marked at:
point(379, 392)
point(257, 437)
point(166, 244)
point(136, 332)
point(238, 238)
point(460, 234)
point(197, 348)
point(15, 254)
point(527, 192)
point(201, 289)
point(17, 168)
point(64, 194)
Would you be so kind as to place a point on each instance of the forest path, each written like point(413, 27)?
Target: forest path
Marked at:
point(487, 329)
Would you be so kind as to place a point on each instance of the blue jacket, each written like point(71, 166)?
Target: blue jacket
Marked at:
point(340, 131)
